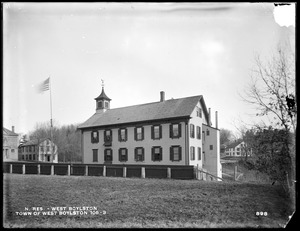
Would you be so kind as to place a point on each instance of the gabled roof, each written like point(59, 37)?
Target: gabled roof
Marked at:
point(234, 144)
point(34, 142)
point(9, 132)
point(168, 109)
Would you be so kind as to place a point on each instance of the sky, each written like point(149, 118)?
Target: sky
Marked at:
point(138, 49)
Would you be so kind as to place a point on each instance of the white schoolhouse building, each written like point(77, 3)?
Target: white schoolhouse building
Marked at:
point(167, 132)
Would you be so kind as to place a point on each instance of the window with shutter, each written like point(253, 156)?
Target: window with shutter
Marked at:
point(94, 137)
point(122, 134)
point(123, 155)
point(156, 133)
point(198, 132)
point(139, 154)
point(108, 155)
point(139, 133)
point(175, 153)
point(156, 153)
point(192, 130)
point(192, 153)
point(107, 137)
point(175, 130)
point(199, 153)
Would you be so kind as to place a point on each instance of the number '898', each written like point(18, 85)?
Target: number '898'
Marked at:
point(261, 214)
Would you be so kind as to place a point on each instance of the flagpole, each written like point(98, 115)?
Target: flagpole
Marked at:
point(51, 125)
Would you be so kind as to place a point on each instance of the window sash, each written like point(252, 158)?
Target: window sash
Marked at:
point(176, 153)
point(156, 132)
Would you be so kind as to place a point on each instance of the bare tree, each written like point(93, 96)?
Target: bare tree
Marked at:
point(272, 92)
point(272, 89)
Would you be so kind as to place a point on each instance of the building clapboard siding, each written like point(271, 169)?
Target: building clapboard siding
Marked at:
point(167, 132)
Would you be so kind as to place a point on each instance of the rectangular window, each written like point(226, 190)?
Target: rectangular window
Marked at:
point(12, 150)
point(198, 132)
point(156, 132)
point(175, 130)
point(211, 147)
point(207, 132)
point(94, 137)
point(33, 157)
point(192, 153)
point(139, 154)
point(95, 155)
point(192, 130)
point(175, 153)
point(99, 104)
point(238, 149)
point(199, 153)
point(139, 133)
point(106, 104)
point(156, 153)
point(48, 149)
point(108, 155)
point(23, 157)
point(107, 136)
point(42, 148)
point(26, 157)
point(29, 156)
point(122, 134)
point(237, 153)
point(200, 112)
point(123, 154)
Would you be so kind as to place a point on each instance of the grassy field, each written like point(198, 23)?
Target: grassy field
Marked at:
point(141, 203)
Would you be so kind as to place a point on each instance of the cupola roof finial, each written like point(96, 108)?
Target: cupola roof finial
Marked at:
point(102, 95)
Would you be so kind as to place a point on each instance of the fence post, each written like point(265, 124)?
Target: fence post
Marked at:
point(124, 171)
point(169, 173)
point(104, 170)
point(10, 168)
point(39, 169)
point(86, 170)
point(23, 169)
point(52, 169)
point(143, 172)
point(235, 172)
point(69, 170)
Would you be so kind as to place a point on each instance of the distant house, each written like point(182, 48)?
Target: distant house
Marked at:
point(166, 132)
point(10, 144)
point(236, 148)
point(38, 150)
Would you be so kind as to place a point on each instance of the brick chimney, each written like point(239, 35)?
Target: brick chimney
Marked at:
point(162, 96)
point(13, 128)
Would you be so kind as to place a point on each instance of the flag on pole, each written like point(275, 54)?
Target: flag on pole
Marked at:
point(44, 86)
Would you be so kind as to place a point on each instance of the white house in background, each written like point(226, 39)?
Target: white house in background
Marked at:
point(237, 149)
point(167, 132)
point(38, 150)
point(10, 144)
